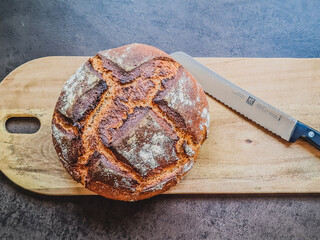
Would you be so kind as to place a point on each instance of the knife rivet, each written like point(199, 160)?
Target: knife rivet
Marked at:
point(311, 134)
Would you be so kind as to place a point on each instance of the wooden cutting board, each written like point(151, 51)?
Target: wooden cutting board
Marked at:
point(238, 157)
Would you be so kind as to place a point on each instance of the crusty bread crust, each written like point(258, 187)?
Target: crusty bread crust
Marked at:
point(129, 123)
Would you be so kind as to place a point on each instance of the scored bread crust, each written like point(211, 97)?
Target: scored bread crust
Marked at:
point(129, 123)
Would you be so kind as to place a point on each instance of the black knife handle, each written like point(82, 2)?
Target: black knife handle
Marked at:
point(307, 133)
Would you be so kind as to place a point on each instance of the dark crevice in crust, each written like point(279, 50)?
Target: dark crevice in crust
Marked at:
point(69, 140)
point(90, 99)
point(65, 121)
point(158, 100)
point(90, 102)
point(94, 71)
point(173, 115)
point(135, 117)
point(127, 77)
point(100, 169)
point(168, 83)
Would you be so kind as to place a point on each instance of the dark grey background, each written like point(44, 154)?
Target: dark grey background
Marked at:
point(33, 29)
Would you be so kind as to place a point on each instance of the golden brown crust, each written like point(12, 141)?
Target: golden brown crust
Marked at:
point(130, 122)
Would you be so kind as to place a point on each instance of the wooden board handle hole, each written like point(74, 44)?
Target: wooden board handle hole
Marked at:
point(22, 125)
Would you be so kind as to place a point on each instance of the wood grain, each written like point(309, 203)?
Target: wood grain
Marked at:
point(238, 157)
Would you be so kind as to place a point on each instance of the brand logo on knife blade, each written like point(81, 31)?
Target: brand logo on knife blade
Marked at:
point(250, 101)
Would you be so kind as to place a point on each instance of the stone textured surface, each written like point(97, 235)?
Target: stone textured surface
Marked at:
point(32, 29)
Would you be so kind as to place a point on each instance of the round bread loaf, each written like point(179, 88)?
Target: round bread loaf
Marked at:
point(129, 123)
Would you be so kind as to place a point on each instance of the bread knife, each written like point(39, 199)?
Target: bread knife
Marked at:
point(247, 104)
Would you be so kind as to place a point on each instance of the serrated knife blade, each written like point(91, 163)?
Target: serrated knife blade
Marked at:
point(247, 104)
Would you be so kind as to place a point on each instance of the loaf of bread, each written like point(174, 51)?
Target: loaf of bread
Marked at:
point(129, 123)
